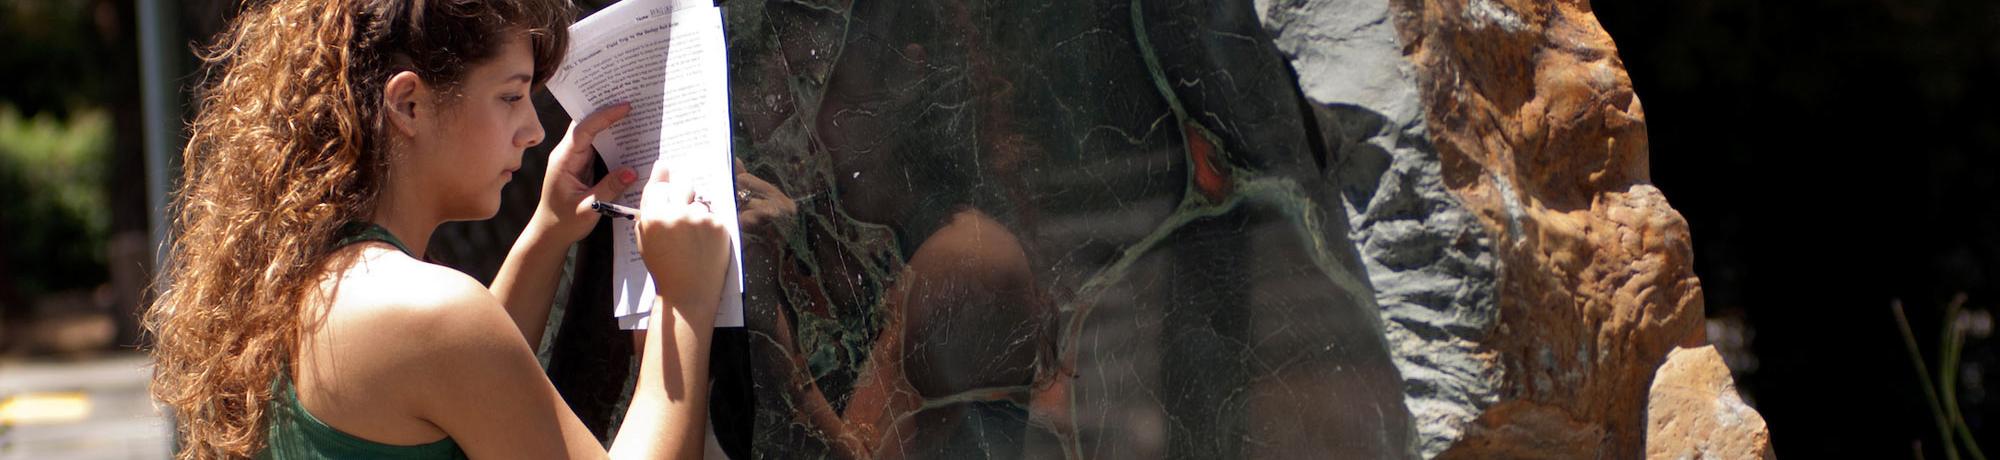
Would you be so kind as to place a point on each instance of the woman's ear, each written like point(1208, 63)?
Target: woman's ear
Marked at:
point(401, 97)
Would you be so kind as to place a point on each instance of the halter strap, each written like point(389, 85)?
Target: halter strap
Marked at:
point(368, 231)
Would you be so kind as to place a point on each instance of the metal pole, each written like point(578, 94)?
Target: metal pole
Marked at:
point(160, 104)
point(161, 109)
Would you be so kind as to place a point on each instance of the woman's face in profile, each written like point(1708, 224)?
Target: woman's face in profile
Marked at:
point(480, 133)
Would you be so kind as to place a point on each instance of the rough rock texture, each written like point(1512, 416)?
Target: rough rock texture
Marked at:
point(1535, 121)
point(1493, 161)
point(1694, 412)
point(1427, 256)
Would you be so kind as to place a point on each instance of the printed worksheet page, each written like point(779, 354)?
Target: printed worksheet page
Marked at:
point(667, 58)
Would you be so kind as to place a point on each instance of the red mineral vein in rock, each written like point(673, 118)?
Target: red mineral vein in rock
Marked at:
point(817, 301)
point(1209, 178)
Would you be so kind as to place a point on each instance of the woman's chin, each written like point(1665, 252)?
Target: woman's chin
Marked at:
point(489, 211)
point(481, 211)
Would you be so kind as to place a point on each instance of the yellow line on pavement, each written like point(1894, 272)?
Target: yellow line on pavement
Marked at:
point(44, 408)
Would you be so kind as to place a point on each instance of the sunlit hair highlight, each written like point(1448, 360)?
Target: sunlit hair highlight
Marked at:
point(287, 147)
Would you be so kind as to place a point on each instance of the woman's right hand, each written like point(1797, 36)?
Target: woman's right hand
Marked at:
point(687, 252)
point(685, 248)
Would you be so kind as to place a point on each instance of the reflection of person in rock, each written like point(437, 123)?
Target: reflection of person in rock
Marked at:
point(960, 320)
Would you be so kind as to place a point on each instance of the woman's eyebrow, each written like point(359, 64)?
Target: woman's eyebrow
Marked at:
point(519, 77)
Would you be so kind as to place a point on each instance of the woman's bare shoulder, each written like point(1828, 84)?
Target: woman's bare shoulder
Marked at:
point(400, 303)
point(387, 300)
point(389, 338)
point(457, 366)
point(386, 282)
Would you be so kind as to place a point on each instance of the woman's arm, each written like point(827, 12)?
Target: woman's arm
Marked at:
point(481, 385)
point(527, 280)
point(526, 284)
point(687, 253)
point(672, 388)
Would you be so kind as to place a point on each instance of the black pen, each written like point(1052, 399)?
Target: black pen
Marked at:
point(614, 210)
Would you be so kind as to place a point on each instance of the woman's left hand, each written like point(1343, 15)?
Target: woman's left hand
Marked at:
point(564, 214)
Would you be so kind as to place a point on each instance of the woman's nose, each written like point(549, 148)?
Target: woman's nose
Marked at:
point(530, 135)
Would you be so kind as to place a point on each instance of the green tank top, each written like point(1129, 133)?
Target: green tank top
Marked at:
point(293, 433)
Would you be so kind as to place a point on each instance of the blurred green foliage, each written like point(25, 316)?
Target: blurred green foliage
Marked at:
point(52, 172)
point(57, 137)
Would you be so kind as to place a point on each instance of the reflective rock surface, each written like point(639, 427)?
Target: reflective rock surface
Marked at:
point(1041, 229)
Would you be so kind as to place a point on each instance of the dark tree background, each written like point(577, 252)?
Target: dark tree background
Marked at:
point(1831, 156)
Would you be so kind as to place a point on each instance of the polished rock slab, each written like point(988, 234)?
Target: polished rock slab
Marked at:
point(1038, 229)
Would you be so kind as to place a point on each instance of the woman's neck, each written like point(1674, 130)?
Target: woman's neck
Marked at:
point(407, 218)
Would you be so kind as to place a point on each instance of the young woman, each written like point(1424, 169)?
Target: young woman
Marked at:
point(298, 318)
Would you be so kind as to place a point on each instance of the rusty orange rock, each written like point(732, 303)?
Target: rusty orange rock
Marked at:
point(1694, 412)
point(1540, 135)
point(1530, 276)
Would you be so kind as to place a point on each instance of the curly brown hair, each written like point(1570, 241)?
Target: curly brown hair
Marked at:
point(289, 146)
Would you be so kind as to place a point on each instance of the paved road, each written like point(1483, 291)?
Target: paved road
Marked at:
point(85, 410)
point(94, 409)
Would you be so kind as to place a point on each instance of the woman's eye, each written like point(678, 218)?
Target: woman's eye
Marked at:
point(512, 98)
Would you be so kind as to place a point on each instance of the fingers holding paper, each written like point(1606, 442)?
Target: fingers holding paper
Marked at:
point(686, 249)
point(567, 189)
